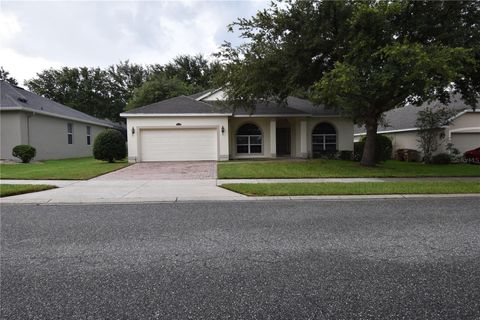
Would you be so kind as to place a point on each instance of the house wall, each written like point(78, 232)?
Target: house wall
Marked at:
point(343, 126)
point(151, 122)
point(11, 135)
point(48, 135)
point(464, 131)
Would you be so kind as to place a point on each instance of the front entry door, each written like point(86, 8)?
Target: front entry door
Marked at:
point(283, 141)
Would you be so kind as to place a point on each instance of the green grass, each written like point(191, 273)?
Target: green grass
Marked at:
point(355, 188)
point(67, 169)
point(339, 169)
point(14, 189)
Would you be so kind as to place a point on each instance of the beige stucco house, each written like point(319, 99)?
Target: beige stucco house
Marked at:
point(198, 127)
point(54, 130)
point(463, 131)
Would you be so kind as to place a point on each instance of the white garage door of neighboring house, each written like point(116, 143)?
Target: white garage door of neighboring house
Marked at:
point(466, 141)
point(178, 144)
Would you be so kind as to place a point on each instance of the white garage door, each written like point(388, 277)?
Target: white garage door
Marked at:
point(178, 144)
point(466, 141)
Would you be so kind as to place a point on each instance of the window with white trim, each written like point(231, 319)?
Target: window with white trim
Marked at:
point(70, 133)
point(324, 138)
point(249, 139)
point(89, 135)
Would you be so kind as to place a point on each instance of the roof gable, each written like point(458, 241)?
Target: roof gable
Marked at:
point(13, 98)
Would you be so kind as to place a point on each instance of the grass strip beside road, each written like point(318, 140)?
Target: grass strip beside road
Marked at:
point(319, 168)
point(66, 169)
point(354, 188)
point(14, 189)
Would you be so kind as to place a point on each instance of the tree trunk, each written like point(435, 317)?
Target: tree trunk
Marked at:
point(368, 157)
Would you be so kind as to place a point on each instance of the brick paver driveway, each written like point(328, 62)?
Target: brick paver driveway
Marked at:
point(188, 170)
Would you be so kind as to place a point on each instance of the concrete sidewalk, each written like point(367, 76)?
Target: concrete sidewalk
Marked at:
point(137, 191)
point(112, 191)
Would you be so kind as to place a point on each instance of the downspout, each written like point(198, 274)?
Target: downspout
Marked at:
point(28, 127)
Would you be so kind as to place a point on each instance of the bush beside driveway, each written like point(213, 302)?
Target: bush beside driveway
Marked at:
point(65, 169)
point(319, 168)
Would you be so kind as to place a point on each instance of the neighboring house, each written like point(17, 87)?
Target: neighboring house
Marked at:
point(463, 131)
point(198, 127)
point(54, 130)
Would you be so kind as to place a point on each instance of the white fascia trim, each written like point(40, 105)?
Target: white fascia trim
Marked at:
point(388, 131)
point(146, 115)
point(396, 131)
point(269, 115)
point(208, 94)
point(462, 113)
point(56, 116)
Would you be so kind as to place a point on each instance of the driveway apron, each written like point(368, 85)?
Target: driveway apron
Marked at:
point(141, 182)
point(187, 170)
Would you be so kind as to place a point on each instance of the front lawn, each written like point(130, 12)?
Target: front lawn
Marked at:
point(67, 169)
point(355, 188)
point(339, 169)
point(14, 189)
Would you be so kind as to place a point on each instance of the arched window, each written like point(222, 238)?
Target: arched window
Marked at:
point(249, 139)
point(324, 138)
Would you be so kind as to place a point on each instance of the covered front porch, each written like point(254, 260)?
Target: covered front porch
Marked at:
point(288, 137)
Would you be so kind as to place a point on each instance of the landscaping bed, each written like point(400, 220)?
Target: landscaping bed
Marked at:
point(319, 168)
point(14, 189)
point(66, 169)
point(354, 188)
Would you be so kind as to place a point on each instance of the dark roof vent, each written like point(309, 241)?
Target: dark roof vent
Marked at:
point(22, 99)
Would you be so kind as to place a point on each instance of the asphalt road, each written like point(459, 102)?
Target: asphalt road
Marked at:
point(375, 259)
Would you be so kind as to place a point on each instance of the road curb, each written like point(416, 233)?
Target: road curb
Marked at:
point(6, 201)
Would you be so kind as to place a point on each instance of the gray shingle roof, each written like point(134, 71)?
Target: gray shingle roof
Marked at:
point(405, 117)
point(13, 97)
point(184, 105)
point(179, 105)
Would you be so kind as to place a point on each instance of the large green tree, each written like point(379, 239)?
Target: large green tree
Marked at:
point(157, 88)
point(363, 58)
point(85, 89)
point(105, 93)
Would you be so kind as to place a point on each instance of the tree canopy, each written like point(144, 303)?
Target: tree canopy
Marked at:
point(362, 58)
point(105, 93)
point(5, 76)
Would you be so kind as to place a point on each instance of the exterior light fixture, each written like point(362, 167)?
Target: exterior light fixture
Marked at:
point(133, 130)
point(223, 130)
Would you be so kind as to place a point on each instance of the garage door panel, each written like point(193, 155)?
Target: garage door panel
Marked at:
point(466, 141)
point(178, 144)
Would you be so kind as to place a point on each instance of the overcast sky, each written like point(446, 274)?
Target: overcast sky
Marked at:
point(39, 35)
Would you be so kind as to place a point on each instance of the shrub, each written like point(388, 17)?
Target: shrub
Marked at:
point(346, 155)
point(383, 148)
point(441, 158)
point(109, 145)
point(327, 155)
point(24, 152)
point(358, 150)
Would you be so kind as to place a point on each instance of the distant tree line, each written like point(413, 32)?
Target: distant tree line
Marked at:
point(106, 92)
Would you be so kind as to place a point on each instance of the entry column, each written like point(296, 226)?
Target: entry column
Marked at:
point(273, 138)
point(303, 139)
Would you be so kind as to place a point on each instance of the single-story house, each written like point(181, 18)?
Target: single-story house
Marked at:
point(198, 127)
point(399, 125)
point(54, 130)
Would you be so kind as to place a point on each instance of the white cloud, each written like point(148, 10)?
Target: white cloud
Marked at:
point(40, 35)
point(23, 67)
point(9, 26)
